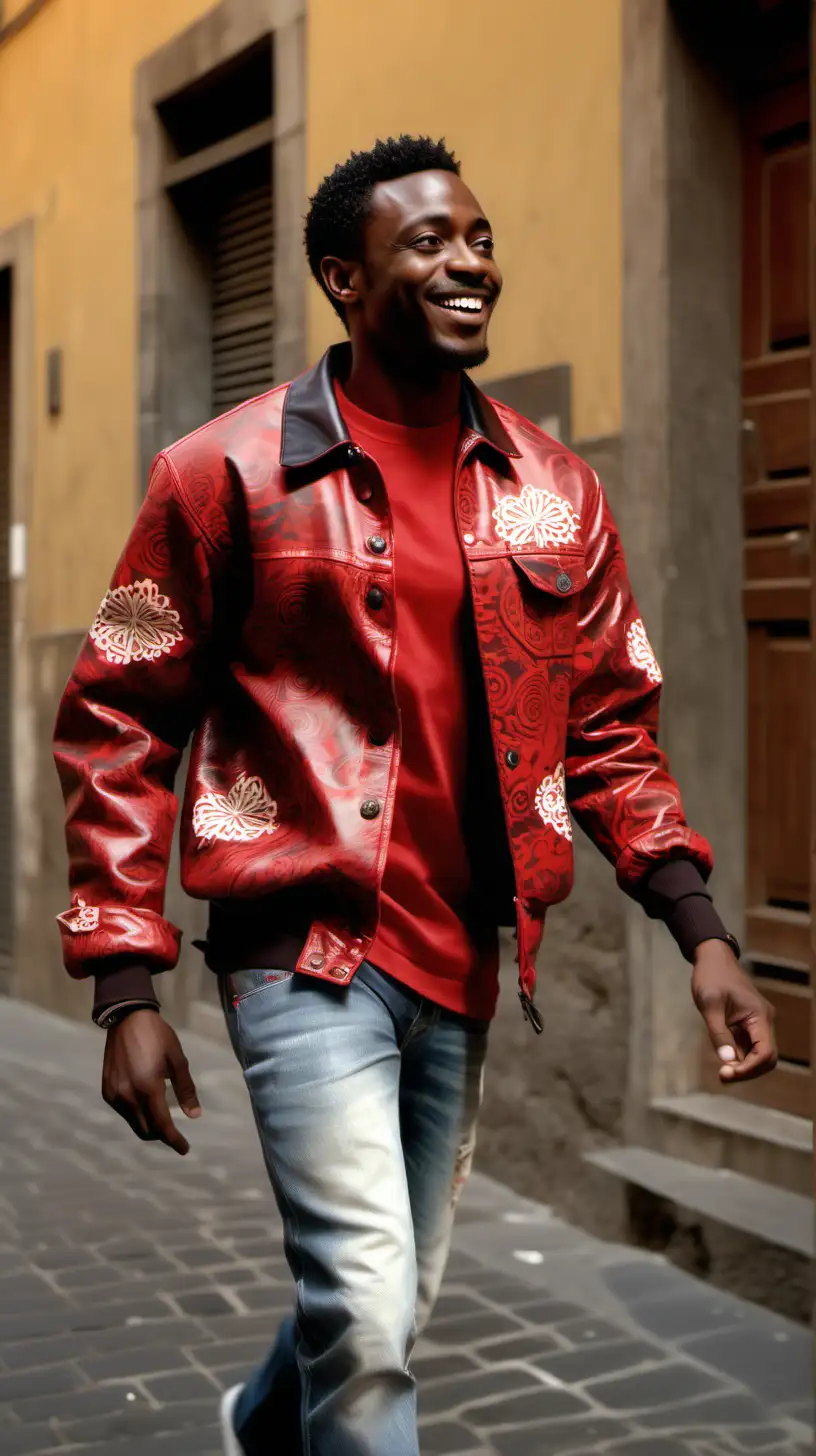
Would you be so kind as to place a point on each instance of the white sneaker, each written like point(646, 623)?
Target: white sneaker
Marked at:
point(229, 1400)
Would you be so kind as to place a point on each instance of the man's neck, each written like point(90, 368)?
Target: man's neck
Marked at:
point(404, 401)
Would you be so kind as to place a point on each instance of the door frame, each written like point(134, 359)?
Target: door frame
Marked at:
point(17, 254)
point(681, 180)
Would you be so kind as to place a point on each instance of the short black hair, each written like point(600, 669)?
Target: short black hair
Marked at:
point(338, 211)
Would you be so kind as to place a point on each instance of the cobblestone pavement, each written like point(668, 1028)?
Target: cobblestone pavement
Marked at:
point(135, 1286)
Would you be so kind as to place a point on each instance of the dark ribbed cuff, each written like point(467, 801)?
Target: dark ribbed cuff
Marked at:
point(123, 982)
point(676, 893)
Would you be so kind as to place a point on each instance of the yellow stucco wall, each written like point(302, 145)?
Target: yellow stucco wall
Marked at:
point(66, 120)
point(527, 94)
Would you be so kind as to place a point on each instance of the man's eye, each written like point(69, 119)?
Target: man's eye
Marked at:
point(484, 244)
point(426, 240)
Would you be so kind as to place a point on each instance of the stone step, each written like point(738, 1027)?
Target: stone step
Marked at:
point(779, 1218)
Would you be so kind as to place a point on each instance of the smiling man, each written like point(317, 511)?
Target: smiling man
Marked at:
point(396, 621)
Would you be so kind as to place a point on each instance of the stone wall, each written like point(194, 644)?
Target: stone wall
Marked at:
point(550, 1099)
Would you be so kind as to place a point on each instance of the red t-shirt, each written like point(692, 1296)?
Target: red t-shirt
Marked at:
point(423, 939)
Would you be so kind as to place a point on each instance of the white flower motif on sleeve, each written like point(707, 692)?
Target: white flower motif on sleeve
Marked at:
point(245, 813)
point(81, 919)
point(551, 802)
point(535, 516)
point(136, 624)
point(640, 651)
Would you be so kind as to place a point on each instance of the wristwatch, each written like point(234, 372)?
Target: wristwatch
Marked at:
point(112, 1015)
point(733, 943)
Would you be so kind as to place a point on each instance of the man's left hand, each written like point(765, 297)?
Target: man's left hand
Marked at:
point(738, 1018)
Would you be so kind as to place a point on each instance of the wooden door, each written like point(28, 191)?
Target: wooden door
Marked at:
point(776, 387)
point(6, 796)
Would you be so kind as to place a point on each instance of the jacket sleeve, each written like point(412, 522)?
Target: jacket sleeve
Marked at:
point(123, 723)
point(617, 779)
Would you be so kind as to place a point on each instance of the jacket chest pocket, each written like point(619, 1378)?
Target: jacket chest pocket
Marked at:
point(549, 592)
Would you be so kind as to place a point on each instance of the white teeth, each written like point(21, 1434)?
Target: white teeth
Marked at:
point(466, 305)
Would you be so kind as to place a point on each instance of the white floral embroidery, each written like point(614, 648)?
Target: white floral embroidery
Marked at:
point(244, 814)
point(81, 919)
point(640, 651)
point(551, 802)
point(537, 516)
point(136, 624)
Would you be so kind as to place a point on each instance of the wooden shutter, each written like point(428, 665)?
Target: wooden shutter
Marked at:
point(242, 297)
point(6, 806)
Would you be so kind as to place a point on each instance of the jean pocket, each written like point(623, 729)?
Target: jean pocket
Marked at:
point(243, 984)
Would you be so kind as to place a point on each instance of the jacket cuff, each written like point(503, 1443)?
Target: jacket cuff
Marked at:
point(693, 920)
point(93, 935)
point(129, 982)
point(676, 893)
point(670, 882)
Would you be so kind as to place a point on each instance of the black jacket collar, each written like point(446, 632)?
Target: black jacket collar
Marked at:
point(313, 424)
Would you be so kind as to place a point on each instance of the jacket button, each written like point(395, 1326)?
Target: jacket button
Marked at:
point(377, 545)
point(370, 808)
point(512, 758)
point(468, 538)
point(364, 491)
point(563, 581)
point(354, 454)
point(339, 973)
point(317, 962)
point(375, 598)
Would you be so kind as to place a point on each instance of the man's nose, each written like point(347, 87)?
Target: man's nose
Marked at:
point(464, 263)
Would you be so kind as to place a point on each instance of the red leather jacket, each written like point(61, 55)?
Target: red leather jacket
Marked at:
point(242, 612)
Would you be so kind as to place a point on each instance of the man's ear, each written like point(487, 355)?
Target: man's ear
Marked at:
point(340, 278)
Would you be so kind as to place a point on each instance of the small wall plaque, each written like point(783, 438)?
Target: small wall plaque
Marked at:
point(53, 369)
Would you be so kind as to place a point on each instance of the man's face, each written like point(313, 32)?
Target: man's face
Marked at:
point(427, 285)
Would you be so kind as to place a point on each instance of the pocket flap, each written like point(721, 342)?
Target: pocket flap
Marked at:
point(561, 577)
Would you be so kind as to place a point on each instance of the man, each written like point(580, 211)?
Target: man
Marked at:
point(396, 619)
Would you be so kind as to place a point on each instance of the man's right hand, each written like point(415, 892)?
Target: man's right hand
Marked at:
point(142, 1054)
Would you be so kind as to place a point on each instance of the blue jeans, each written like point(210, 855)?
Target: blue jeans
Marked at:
point(366, 1101)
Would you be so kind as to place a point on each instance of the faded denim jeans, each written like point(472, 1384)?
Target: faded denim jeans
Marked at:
point(366, 1101)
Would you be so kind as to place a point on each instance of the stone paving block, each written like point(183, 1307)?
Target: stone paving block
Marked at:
point(532, 1346)
point(204, 1302)
point(70, 1405)
point(270, 1299)
point(698, 1311)
point(144, 1360)
point(735, 1408)
point(530, 1407)
point(476, 1385)
point(61, 1258)
point(591, 1331)
point(91, 1276)
point(23, 1385)
point(441, 1367)
point(184, 1386)
point(470, 1330)
point(447, 1438)
point(774, 1364)
point(27, 1440)
point(239, 1327)
point(558, 1437)
point(453, 1306)
point(759, 1438)
point(576, 1366)
point(667, 1385)
point(221, 1353)
point(547, 1312)
point(139, 1420)
point(650, 1446)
